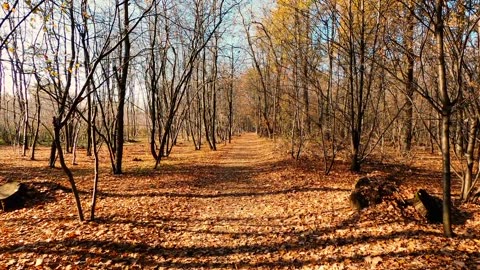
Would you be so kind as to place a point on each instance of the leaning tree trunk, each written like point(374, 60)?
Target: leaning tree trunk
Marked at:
point(57, 127)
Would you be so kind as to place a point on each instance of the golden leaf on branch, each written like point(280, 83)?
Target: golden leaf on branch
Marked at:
point(6, 6)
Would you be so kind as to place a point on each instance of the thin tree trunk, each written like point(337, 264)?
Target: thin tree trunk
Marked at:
point(230, 98)
point(214, 102)
point(122, 85)
point(89, 125)
point(53, 154)
point(205, 102)
point(74, 147)
point(468, 177)
point(25, 127)
point(409, 85)
point(354, 99)
point(459, 145)
point(447, 226)
point(37, 128)
point(68, 172)
point(446, 114)
point(95, 171)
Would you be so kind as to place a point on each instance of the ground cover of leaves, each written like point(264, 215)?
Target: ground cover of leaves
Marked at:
point(245, 206)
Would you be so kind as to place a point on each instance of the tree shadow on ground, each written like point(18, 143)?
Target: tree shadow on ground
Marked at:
point(218, 195)
point(204, 182)
point(36, 193)
point(25, 173)
point(185, 256)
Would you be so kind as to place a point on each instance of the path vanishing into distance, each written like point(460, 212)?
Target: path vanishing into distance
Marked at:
point(242, 206)
point(247, 205)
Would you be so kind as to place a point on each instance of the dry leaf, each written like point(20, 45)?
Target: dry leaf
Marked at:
point(38, 261)
point(242, 206)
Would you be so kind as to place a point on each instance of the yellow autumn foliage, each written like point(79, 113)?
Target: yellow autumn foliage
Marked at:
point(6, 6)
point(289, 19)
point(367, 17)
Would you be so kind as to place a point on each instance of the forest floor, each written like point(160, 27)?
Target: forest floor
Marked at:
point(245, 206)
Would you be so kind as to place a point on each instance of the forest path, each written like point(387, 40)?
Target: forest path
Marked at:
point(246, 150)
point(237, 166)
point(245, 206)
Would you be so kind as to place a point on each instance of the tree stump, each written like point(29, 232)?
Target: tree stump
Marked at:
point(370, 191)
point(11, 196)
point(430, 207)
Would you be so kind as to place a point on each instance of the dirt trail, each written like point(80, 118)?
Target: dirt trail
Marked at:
point(248, 206)
point(246, 150)
point(244, 206)
point(235, 167)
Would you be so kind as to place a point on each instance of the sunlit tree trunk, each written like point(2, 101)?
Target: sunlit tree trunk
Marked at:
point(37, 126)
point(407, 125)
point(122, 90)
point(446, 112)
point(470, 156)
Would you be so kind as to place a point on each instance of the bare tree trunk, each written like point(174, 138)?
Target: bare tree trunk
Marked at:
point(68, 172)
point(75, 141)
point(447, 226)
point(468, 177)
point(37, 128)
point(53, 154)
point(407, 127)
point(459, 145)
point(205, 102)
point(263, 108)
point(122, 89)
point(89, 125)
point(355, 99)
point(26, 113)
point(199, 115)
point(214, 92)
point(95, 169)
point(230, 98)
point(446, 114)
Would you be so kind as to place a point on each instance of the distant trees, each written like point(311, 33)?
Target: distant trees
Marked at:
point(366, 62)
point(55, 61)
point(14, 35)
point(329, 52)
point(92, 47)
point(178, 69)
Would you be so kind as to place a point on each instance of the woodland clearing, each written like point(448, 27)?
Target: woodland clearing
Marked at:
point(242, 206)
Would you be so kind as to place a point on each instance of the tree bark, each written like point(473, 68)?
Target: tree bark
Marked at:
point(468, 177)
point(53, 154)
point(122, 90)
point(37, 127)
point(57, 126)
point(95, 170)
point(409, 84)
point(446, 114)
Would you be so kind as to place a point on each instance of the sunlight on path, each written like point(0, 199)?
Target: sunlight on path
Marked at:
point(245, 206)
point(249, 201)
point(246, 150)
